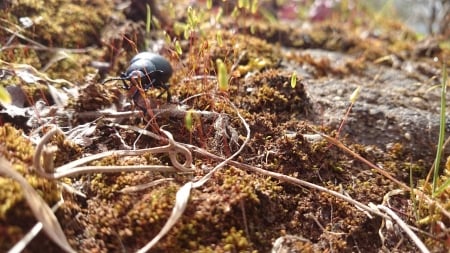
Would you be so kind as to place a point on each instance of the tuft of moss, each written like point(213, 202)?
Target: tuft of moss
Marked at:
point(15, 215)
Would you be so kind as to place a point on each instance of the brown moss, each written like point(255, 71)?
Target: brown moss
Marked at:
point(16, 217)
point(272, 91)
point(61, 23)
point(235, 210)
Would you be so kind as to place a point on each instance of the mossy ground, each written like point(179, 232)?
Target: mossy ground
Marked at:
point(236, 211)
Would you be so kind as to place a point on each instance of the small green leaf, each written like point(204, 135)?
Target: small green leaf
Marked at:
point(167, 37)
point(219, 39)
point(188, 121)
point(219, 15)
point(222, 75)
point(294, 80)
point(254, 7)
point(149, 19)
point(178, 48)
point(5, 97)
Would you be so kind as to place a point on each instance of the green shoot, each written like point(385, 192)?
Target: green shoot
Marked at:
point(294, 80)
point(219, 15)
point(149, 19)
point(219, 39)
point(167, 37)
point(355, 95)
point(178, 48)
point(189, 121)
point(222, 76)
point(352, 99)
point(5, 97)
point(441, 136)
point(413, 198)
point(242, 3)
point(147, 26)
point(254, 7)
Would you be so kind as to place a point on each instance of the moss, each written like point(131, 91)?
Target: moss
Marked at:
point(235, 210)
point(61, 23)
point(15, 214)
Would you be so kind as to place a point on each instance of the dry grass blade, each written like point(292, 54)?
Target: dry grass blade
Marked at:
point(40, 209)
point(405, 227)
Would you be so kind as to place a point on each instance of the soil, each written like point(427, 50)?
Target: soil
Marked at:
point(54, 71)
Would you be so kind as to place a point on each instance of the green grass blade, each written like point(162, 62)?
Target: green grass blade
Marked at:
point(441, 130)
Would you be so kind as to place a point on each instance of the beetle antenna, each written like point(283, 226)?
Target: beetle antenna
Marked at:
point(114, 79)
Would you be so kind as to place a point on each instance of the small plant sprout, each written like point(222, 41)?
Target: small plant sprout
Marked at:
point(222, 75)
point(242, 3)
point(441, 136)
point(178, 48)
point(219, 39)
point(149, 19)
point(294, 80)
point(5, 98)
point(254, 7)
point(167, 36)
point(193, 21)
point(353, 97)
point(219, 15)
point(189, 121)
point(208, 4)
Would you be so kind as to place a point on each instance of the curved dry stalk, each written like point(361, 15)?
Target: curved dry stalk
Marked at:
point(74, 168)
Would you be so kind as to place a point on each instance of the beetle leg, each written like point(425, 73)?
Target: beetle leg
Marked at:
point(125, 85)
point(165, 88)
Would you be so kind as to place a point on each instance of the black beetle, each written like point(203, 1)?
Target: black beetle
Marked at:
point(151, 69)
